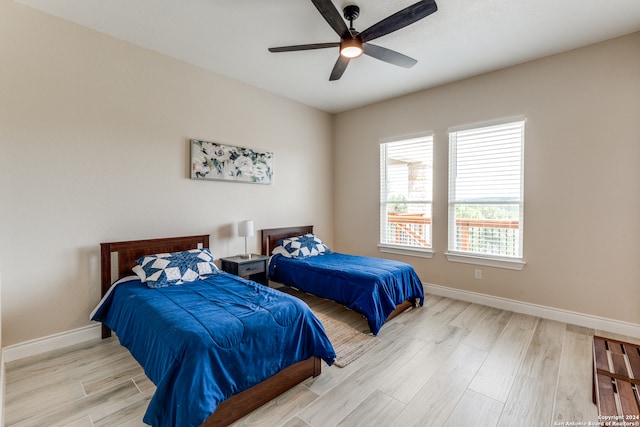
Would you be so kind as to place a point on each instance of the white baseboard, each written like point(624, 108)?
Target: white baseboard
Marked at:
point(77, 336)
point(572, 317)
point(51, 342)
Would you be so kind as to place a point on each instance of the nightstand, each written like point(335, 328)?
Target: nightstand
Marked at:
point(254, 268)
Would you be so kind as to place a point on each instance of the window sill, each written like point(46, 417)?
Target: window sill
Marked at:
point(508, 263)
point(406, 250)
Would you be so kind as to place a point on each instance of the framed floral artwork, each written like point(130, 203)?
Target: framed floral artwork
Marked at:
point(210, 160)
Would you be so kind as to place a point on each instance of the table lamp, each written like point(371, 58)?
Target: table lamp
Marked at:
point(245, 229)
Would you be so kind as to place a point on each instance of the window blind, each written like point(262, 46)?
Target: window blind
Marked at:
point(485, 189)
point(406, 192)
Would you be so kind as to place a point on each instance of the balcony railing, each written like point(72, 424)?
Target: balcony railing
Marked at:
point(488, 236)
point(409, 229)
point(491, 236)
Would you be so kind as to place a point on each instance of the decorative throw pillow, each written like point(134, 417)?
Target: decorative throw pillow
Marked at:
point(301, 247)
point(176, 268)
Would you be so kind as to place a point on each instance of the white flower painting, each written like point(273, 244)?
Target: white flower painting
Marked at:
point(210, 160)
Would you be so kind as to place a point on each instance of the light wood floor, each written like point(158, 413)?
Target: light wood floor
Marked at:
point(449, 363)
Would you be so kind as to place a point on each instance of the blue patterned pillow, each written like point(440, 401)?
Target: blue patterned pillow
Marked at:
point(176, 268)
point(301, 247)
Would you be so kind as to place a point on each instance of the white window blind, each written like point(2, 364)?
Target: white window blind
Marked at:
point(485, 190)
point(406, 192)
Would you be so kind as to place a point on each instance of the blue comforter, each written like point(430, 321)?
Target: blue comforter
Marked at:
point(204, 341)
point(371, 286)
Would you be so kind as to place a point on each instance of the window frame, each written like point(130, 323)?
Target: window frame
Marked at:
point(418, 251)
point(501, 261)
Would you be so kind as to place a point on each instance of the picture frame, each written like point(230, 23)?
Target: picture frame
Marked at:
point(221, 162)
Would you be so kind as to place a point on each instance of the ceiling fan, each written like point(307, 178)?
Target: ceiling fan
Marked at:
point(353, 43)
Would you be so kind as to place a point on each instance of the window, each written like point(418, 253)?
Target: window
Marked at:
point(406, 187)
point(485, 194)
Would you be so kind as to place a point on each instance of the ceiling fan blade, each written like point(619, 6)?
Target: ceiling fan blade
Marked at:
point(338, 69)
point(332, 16)
point(388, 55)
point(400, 19)
point(303, 47)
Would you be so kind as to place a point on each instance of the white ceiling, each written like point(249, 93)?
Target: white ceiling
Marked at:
point(463, 38)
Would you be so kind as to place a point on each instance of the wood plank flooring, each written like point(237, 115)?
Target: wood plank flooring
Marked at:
point(449, 363)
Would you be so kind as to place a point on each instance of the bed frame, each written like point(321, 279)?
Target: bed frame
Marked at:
point(270, 239)
point(237, 405)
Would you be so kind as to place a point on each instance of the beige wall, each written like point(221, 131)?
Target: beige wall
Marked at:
point(582, 176)
point(94, 147)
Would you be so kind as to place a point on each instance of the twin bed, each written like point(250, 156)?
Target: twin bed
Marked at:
point(218, 346)
point(377, 288)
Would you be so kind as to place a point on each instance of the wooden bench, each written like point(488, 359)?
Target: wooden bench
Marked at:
point(616, 379)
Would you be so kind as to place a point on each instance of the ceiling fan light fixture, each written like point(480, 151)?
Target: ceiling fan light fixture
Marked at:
point(351, 48)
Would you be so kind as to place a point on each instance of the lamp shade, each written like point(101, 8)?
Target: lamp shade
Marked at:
point(245, 228)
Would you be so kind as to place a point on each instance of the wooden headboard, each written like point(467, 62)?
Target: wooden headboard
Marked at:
point(271, 236)
point(129, 251)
